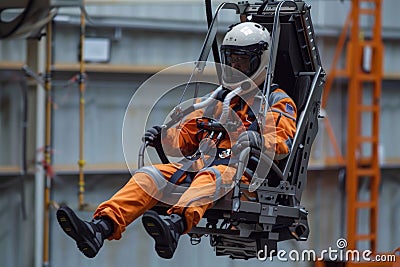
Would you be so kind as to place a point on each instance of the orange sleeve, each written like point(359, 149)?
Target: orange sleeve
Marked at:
point(182, 138)
point(280, 126)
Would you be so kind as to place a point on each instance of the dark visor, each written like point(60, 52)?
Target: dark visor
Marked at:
point(233, 56)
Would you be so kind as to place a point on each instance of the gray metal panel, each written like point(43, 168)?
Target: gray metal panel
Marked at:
point(104, 112)
point(329, 14)
point(390, 14)
point(12, 50)
point(10, 121)
point(392, 57)
point(16, 232)
point(390, 116)
point(250, 206)
point(134, 48)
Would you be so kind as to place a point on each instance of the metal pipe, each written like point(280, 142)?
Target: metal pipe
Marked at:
point(215, 50)
point(243, 159)
point(82, 87)
point(48, 144)
point(24, 93)
point(35, 56)
point(276, 31)
point(301, 130)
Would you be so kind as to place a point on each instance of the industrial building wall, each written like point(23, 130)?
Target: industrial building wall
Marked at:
point(144, 38)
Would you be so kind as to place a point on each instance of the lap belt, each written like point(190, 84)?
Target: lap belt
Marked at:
point(178, 175)
point(190, 175)
point(217, 161)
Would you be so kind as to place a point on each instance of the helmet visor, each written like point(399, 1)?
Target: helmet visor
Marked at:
point(244, 61)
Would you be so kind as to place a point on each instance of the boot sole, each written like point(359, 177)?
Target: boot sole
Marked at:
point(69, 223)
point(157, 229)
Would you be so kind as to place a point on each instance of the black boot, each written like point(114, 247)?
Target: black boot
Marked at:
point(165, 230)
point(89, 236)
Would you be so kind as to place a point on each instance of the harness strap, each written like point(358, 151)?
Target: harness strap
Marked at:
point(225, 161)
point(254, 126)
point(190, 175)
point(179, 174)
point(182, 171)
point(209, 111)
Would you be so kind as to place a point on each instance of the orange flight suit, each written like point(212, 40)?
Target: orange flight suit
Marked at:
point(139, 194)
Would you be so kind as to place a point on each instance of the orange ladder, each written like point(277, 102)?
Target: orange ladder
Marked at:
point(365, 64)
point(364, 70)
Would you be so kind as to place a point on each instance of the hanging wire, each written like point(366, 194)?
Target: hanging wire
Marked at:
point(186, 87)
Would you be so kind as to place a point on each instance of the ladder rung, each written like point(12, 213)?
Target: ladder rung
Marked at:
point(370, 43)
point(369, 1)
point(366, 161)
point(365, 204)
point(367, 172)
point(369, 77)
point(340, 73)
point(367, 11)
point(365, 108)
point(365, 237)
point(367, 139)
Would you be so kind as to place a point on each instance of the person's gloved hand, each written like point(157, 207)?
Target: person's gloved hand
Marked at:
point(247, 139)
point(153, 136)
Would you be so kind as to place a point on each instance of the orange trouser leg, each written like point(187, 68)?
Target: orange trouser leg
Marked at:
point(131, 201)
point(202, 193)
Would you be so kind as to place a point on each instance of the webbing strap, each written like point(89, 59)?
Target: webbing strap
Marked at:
point(209, 111)
point(182, 171)
point(254, 126)
point(178, 175)
point(190, 175)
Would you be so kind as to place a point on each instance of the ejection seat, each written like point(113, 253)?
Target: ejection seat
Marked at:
point(242, 229)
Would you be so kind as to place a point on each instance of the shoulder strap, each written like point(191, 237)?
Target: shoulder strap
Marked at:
point(209, 111)
point(254, 126)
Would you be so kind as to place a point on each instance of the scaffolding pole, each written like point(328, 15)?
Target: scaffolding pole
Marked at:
point(82, 87)
point(48, 143)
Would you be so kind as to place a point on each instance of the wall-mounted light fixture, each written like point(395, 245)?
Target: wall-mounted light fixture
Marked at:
point(97, 50)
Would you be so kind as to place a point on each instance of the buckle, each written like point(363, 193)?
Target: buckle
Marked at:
point(225, 154)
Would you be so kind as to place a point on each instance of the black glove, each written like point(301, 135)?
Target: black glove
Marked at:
point(153, 136)
point(246, 139)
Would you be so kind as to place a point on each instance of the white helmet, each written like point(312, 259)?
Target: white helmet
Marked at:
point(250, 40)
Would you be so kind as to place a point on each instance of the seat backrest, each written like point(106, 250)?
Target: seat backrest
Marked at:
point(300, 91)
point(297, 62)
